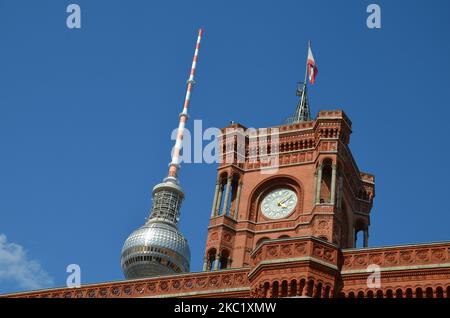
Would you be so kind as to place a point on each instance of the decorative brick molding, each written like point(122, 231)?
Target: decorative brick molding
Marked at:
point(293, 248)
point(397, 256)
point(411, 271)
point(294, 267)
point(228, 283)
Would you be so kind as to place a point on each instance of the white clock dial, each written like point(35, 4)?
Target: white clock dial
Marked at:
point(279, 203)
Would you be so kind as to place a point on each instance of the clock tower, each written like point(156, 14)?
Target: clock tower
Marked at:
point(311, 188)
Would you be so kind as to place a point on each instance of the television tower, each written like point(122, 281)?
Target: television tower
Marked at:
point(158, 247)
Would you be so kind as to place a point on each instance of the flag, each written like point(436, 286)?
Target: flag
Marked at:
point(312, 68)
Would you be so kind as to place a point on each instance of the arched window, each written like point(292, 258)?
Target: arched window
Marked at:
point(301, 287)
point(224, 259)
point(227, 198)
point(409, 293)
point(429, 292)
point(211, 259)
point(221, 193)
point(319, 291)
point(284, 289)
point(439, 292)
point(233, 197)
point(310, 287)
point(293, 288)
point(359, 238)
point(327, 291)
point(266, 289)
point(275, 289)
point(419, 292)
point(325, 186)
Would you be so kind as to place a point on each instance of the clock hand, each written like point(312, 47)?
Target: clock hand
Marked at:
point(285, 199)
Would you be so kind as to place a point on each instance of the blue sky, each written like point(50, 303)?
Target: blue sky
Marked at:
point(86, 115)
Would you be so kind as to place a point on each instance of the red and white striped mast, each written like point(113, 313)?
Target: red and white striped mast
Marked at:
point(175, 163)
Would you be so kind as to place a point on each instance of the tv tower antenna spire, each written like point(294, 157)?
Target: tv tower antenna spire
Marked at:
point(175, 163)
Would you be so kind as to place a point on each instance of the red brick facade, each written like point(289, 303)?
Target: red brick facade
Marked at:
point(311, 252)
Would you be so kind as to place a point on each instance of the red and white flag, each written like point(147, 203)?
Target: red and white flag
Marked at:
point(312, 68)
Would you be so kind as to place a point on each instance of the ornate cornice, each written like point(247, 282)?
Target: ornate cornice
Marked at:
point(234, 282)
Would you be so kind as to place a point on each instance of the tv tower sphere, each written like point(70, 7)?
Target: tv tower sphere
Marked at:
point(158, 248)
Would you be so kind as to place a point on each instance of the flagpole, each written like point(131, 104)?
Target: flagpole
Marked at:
point(306, 77)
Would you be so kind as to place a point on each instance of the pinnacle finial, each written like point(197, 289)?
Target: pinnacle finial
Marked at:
point(302, 112)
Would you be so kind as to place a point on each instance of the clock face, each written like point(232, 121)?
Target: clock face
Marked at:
point(279, 203)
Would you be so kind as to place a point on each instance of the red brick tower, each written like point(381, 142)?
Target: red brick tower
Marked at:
point(317, 191)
